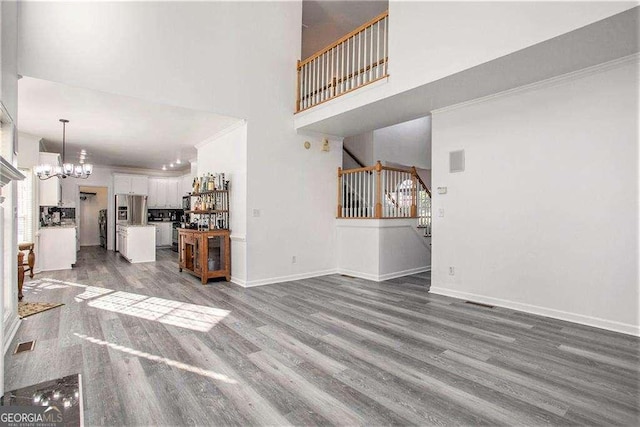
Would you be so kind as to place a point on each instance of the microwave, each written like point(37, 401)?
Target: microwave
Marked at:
point(122, 213)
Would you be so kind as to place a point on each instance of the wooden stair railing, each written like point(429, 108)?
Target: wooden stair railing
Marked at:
point(379, 192)
point(353, 61)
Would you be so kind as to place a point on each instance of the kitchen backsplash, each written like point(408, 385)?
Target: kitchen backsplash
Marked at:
point(164, 214)
point(50, 215)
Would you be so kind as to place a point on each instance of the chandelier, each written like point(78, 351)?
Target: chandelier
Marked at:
point(82, 170)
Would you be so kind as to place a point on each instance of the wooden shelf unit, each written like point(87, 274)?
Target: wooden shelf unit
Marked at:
point(222, 204)
point(205, 253)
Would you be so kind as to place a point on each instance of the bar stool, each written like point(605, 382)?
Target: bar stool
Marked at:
point(31, 261)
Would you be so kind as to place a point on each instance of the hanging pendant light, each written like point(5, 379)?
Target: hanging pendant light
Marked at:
point(82, 170)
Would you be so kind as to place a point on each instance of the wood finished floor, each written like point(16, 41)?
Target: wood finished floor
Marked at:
point(330, 350)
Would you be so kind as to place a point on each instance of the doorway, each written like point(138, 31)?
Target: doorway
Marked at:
point(93, 216)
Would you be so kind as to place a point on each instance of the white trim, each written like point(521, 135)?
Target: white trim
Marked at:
point(358, 274)
point(544, 83)
point(597, 322)
point(221, 133)
point(282, 279)
point(238, 237)
point(10, 333)
point(403, 273)
point(383, 277)
point(239, 282)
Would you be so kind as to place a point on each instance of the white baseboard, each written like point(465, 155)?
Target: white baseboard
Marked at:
point(542, 311)
point(272, 280)
point(239, 282)
point(10, 332)
point(383, 277)
point(358, 274)
point(403, 273)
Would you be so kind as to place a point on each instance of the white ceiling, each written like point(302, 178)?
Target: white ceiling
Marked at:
point(114, 130)
point(326, 21)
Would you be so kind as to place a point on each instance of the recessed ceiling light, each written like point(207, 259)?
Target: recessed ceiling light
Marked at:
point(164, 168)
point(171, 165)
point(178, 161)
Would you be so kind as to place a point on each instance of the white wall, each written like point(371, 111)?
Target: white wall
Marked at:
point(472, 33)
point(8, 234)
point(430, 40)
point(125, 48)
point(88, 213)
point(228, 153)
point(101, 177)
point(362, 147)
point(545, 216)
point(381, 249)
point(407, 143)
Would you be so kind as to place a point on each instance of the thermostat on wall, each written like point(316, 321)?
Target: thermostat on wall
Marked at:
point(442, 190)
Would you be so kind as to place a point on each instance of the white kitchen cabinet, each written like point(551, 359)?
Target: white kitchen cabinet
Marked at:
point(138, 243)
point(57, 248)
point(50, 189)
point(139, 184)
point(130, 184)
point(152, 198)
point(172, 193)
point(164, 193)
point(163, 233)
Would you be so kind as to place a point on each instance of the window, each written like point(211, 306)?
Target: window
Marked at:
point(25, 207)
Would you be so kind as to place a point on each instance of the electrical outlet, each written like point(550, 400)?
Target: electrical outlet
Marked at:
point(441, 212)
point(293, 259)
point(256, 213)
point(452, 271)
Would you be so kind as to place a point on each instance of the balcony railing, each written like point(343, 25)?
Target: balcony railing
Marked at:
point(378, 191)
point(355, 60)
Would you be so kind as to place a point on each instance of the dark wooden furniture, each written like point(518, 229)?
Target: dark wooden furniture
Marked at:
point(31, 261)
point(205, 253)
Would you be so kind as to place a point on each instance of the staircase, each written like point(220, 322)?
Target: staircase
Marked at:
point(375, 192)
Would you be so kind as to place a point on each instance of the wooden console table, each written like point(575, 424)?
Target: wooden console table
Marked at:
point(205, 253)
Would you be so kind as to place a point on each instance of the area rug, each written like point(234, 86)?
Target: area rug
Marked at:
point(26, 309)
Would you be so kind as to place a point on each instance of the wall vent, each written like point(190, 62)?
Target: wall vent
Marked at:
point(479, 304)
point(456, 161)
point(24, 346)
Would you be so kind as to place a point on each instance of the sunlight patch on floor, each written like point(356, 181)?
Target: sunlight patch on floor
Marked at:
point(169, 362)
point(190, 316)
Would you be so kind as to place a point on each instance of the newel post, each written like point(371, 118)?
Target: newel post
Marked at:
point(339, 193)
point(378, 194)
point(414, 192)
point(298, 89)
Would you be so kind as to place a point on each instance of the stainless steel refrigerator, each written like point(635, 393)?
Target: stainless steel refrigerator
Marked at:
point(130, 210)
point(136, 210)
point(102, 223)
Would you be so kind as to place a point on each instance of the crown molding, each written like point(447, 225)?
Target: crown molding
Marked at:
point(552, 81)
point(222, 133)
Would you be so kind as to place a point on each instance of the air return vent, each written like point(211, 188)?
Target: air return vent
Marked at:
point(456, 161)
point(24, 346)
point(479, 304)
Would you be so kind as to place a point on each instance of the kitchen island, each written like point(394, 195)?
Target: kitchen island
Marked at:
point(57, 247)
point(137, 243)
